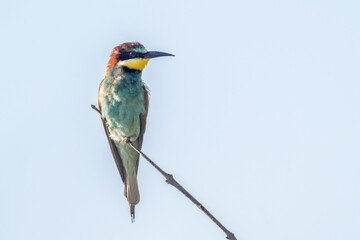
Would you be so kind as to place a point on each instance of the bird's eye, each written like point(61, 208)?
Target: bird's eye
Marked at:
point(128, 55)
point(132, 54)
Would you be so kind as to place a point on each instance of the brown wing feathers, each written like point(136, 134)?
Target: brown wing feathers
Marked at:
point(143, 117)
point(115, 152)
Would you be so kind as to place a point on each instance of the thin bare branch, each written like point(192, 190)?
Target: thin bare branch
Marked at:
point(171, 180)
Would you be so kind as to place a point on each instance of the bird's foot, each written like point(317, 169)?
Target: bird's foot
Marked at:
point(126, 139)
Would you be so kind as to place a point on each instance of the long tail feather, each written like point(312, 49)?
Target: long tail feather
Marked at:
point(132, 212)
point(132, 193)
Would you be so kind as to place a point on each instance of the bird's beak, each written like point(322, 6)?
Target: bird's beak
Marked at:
point(154, 54)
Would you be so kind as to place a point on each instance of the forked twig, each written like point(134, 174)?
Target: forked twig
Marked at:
point(171, 180)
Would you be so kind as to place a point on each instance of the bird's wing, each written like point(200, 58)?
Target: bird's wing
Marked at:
point(114, 151)
point(143, 122)
point(113, 147)
point(143, 117)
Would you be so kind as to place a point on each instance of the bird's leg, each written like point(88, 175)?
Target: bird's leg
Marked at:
point(126, 139)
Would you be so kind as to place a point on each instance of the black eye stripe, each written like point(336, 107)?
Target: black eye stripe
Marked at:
point(129, 55)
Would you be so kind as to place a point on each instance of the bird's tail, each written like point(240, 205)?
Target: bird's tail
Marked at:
point(132, 193)
point(132, 212)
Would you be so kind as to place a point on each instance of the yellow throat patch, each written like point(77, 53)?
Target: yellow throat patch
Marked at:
point(136, 63)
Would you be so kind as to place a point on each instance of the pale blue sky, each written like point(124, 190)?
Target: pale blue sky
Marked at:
point(257, 116)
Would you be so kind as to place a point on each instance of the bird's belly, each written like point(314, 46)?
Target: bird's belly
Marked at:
point(122, 103)
point(122, 115)
point(124, 121)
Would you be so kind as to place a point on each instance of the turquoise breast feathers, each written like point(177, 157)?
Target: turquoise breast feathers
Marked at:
point(122, 102)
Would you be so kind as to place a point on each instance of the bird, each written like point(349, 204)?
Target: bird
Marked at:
point(123, 102)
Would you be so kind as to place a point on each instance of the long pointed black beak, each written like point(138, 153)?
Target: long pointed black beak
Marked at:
point(154, 54)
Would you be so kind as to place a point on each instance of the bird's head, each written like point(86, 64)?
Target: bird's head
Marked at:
point(132, 55)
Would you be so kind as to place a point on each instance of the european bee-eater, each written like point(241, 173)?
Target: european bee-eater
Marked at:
point(123, 102)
